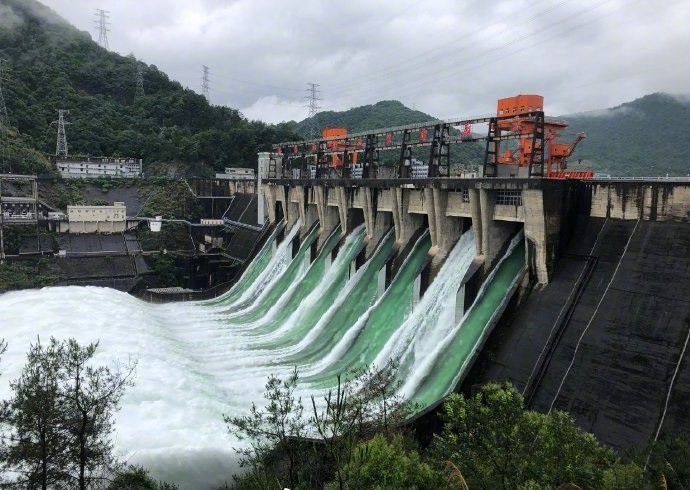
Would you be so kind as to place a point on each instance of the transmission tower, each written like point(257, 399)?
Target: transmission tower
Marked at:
point(313, 106)
point(61, 145)
point(4, 120)
point(102, 24)
point(204, 83)
point(139, 93)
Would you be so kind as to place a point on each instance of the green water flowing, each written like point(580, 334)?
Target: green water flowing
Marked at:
point(312, 308)
point(451, 362)
point(251, 273)
point(382, 322)
point(343, 314)
point(278, 288)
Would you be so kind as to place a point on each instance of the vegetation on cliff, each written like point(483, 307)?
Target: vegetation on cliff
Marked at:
point(487, 441)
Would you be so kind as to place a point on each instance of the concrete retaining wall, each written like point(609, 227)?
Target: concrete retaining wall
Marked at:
point(655, 201)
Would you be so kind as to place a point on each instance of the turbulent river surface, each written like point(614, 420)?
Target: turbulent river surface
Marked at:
point(200, 360)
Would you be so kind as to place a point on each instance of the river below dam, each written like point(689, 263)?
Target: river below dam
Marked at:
point(200, 360)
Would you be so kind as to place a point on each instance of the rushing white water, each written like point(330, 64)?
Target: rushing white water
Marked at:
point(196, 361)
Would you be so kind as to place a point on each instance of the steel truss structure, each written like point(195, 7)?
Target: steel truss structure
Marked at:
point(313, 158)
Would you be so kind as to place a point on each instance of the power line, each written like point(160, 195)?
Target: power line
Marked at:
point(204, 84)
point(139, 92)
point(440, 52)
point(102, 24)
point(313, 106)
point(61, 145)
point(450, 68)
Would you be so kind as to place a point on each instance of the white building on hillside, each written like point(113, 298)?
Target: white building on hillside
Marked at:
point(89, 167)
point(96, 219)
point(237, 174)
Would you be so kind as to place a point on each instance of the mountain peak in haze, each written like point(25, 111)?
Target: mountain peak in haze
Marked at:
point(643, 137)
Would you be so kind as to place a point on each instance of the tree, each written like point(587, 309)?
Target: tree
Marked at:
point(137, 478)
point(622, 476)
point(496, 443)
point(669, 459)
point(34, 433)
point(277, 427)
point(58, 422)
point(357, 410)
point(92, 396)
point(281, 451)
point(379, 464)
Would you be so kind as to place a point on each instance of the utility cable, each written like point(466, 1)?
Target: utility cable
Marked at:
point(452, 69)
point(565, 304)
point(668, 398)
point(591, 319)
point(424, 55)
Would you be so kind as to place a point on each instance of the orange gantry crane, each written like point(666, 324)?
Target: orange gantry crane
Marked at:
point(516, 115)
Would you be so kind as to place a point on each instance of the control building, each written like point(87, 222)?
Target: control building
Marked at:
point(90, 167)
point(96, 219)
point(237, 174)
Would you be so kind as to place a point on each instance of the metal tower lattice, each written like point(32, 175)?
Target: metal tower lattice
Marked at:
point(102, 24)
point(61, 145)
point(204, 83)
point(139, 92)
point(313, 106)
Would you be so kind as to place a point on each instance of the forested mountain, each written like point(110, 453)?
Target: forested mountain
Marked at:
point(383, 114)
point(51, 65)
point(648, 136)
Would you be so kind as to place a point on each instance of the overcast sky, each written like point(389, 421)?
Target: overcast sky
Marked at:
point(445, 57)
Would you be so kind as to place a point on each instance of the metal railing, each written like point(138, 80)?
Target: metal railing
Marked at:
point(642, 179)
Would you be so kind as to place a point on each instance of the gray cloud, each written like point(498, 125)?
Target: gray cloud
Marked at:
point(446, 58)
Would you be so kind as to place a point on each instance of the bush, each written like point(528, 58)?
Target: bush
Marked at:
point(137, 478)
point(380, 465)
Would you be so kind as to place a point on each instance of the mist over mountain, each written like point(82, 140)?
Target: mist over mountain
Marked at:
point(644, 137)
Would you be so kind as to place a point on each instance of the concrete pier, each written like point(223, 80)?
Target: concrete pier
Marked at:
point(495, 208)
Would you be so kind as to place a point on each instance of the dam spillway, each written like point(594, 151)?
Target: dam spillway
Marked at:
point(314, 308)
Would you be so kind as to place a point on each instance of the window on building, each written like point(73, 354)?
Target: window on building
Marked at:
point(509, 197)
point(465, 195)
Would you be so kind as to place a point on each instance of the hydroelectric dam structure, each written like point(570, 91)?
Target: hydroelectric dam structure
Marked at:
point(576, 289)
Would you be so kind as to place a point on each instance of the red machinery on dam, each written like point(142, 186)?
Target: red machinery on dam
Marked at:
point(519, 142)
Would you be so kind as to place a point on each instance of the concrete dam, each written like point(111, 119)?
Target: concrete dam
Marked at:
point(597, 316)
point(574, 290)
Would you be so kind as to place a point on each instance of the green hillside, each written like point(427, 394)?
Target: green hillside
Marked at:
point(51, 65)
point(383, 114)
point(387, 113)
point(645, 137)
